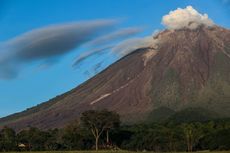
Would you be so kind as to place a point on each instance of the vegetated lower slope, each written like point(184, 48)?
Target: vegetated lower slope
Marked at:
point(187, 115)
point(160, 114)
point(193, 115)
point(187, 68)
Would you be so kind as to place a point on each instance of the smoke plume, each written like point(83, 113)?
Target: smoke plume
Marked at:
point(186, 18)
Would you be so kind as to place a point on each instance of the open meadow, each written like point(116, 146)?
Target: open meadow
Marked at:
point(106, 151)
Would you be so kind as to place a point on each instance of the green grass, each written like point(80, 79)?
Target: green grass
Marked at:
point(105, 151)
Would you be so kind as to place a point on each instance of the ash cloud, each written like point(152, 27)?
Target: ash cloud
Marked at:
point(186, 18)
point(177, 19)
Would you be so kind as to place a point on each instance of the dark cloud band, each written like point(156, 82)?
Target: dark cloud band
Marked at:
point(47, 43)
point(90, 53)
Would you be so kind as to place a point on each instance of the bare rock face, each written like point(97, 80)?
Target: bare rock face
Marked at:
point(189, 63)
point(188, 68)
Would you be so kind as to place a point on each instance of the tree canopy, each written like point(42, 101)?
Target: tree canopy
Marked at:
point(99, 121)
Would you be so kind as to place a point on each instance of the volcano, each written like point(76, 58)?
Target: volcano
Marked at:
point(186, 68)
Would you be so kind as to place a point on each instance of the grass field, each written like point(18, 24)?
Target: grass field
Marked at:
point(114, 152)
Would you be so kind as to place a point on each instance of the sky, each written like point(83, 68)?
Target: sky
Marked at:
point(72, 40)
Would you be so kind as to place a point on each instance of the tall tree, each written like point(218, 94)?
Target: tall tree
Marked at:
point(98, 122)
point(72, 136)
point(193, 133)
point(7, 139)
point(34, 138)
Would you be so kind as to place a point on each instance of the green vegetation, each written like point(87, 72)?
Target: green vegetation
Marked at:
point(102, 127)
point(193, 115)
point(98, 122)
point(160, 114)
point(106, 151)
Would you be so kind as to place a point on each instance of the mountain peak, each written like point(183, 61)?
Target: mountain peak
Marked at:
point(183, 68)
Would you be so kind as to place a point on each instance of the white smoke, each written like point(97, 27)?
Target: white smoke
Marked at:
point(186, 18)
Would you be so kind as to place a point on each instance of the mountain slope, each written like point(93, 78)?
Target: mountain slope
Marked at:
point(192, 115)
point(187, 68)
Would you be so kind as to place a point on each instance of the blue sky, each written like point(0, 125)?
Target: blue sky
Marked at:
point(38, 83)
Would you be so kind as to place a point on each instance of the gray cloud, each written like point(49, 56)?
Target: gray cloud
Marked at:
point(121, 49)
point(47, 43)
point(130, 45)
point(104, 40)
point(90, 53)
point(117, 35)
point(55, 40)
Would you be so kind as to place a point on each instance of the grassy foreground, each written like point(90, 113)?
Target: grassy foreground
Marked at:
point(106, 151)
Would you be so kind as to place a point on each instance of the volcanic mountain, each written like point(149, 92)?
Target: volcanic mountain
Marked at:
point(184, 68)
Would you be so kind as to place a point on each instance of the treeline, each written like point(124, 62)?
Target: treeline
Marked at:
point(102, 129)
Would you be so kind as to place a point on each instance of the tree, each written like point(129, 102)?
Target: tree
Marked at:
point(53, 141)
point(193, 133)
point(7, 139)
point(170, 136)
point(34, 138)
point(98, 122)
point(72, 136)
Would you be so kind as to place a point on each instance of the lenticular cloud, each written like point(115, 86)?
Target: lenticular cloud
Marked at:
point(186, 18)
